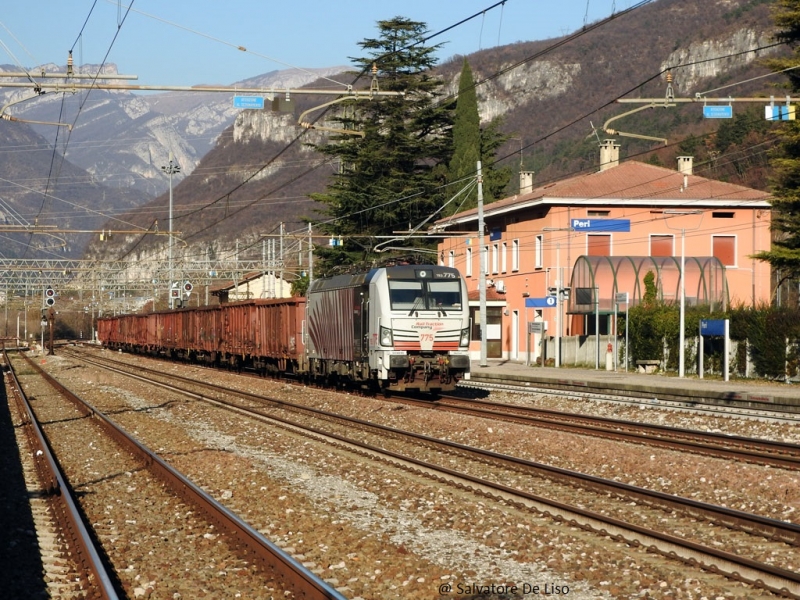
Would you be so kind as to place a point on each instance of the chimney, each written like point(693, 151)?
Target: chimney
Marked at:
point(685, 164)
point(609, 154)
point(525, 182)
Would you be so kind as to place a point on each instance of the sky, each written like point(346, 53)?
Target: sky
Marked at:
point(189, 42)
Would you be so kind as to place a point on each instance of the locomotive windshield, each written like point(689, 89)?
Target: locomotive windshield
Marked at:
point(425, 295)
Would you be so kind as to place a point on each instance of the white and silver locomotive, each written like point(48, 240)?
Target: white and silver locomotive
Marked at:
point(402, 328)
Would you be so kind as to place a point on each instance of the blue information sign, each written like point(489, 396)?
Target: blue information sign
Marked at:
point(546, 302)
point(591, 225)
point(718, 111)
point(248, 102)
point(712, 326)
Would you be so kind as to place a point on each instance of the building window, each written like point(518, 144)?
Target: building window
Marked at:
point(662, 245)
point(468, 268)
point(597, 213)
point(721, 215)
point(598, 244)
point(723, 247)
point(451, 258)
point(485, 259)
point(503, 257)
point(515, 255)
point(495, 258)
point(539, 258)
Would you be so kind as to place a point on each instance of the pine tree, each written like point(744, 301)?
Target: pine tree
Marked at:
point(784, 255)
point(388, 179)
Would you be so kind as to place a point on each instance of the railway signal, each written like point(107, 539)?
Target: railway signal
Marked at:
point(49, 296)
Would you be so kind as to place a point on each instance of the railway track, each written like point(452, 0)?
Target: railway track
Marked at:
point(675, 402)
point(752, 450)
point(688, 530)
point(154, 490)
point(71, 560)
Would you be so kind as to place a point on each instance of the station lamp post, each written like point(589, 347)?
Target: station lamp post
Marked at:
point(681, 340)
point(170, 169)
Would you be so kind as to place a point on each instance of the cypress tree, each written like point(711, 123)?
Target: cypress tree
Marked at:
point(466, 144)
point(471, 143)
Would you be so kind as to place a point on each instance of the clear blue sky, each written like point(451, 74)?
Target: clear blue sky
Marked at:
point(188, 42)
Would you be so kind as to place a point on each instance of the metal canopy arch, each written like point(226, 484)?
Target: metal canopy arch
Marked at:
point(705, 281)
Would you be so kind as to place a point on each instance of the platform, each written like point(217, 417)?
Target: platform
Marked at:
point(749, 393)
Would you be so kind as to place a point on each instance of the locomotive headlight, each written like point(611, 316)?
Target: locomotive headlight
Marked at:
point(464, 337)
point(386, 336)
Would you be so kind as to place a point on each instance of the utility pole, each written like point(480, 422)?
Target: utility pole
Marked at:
point(169, 170)
point(482, 271)
point(280, 250)
point(310, 257)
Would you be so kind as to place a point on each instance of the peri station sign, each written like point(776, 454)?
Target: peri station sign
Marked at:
point(608, 225)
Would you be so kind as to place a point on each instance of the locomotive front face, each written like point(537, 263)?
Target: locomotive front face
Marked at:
point(419, 329)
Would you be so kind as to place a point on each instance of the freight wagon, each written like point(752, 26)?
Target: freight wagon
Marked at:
point(263, 335)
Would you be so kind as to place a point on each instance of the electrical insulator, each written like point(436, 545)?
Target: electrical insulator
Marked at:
point(69, 64)
point(670, 95)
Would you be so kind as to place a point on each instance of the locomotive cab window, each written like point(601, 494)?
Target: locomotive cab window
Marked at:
point(444, 295)
point(425, 295)
point(406, 295)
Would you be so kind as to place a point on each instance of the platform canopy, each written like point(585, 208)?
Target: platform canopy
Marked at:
point(610, 275)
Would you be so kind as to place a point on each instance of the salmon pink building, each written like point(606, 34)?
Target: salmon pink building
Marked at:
point(591, 240)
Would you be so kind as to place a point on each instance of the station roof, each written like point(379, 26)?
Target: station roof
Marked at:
point(630, 183)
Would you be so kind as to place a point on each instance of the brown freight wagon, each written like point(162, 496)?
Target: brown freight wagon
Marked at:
point(263, 335)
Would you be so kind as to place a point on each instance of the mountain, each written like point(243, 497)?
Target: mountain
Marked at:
point(243, 172)
point(115, 151)
point(123, 138)
point(39, 188)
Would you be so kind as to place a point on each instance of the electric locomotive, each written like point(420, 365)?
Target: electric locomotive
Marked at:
point(402, 328)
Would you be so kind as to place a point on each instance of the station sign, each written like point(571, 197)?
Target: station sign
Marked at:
point(546, 302)
point(256, 102)
point(780, 113)
point(537, 326)
point(608, 225)
point(712, 326)
point(718, 111)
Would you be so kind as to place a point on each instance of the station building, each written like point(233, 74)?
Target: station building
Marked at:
point(600, 234)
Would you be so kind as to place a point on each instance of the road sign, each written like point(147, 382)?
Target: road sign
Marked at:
point(718, 111)
point(546, 302)
point(537, 326)
point(621, 298)
point(248, 102)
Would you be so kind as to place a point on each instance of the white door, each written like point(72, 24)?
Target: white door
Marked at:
point(515, 335)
